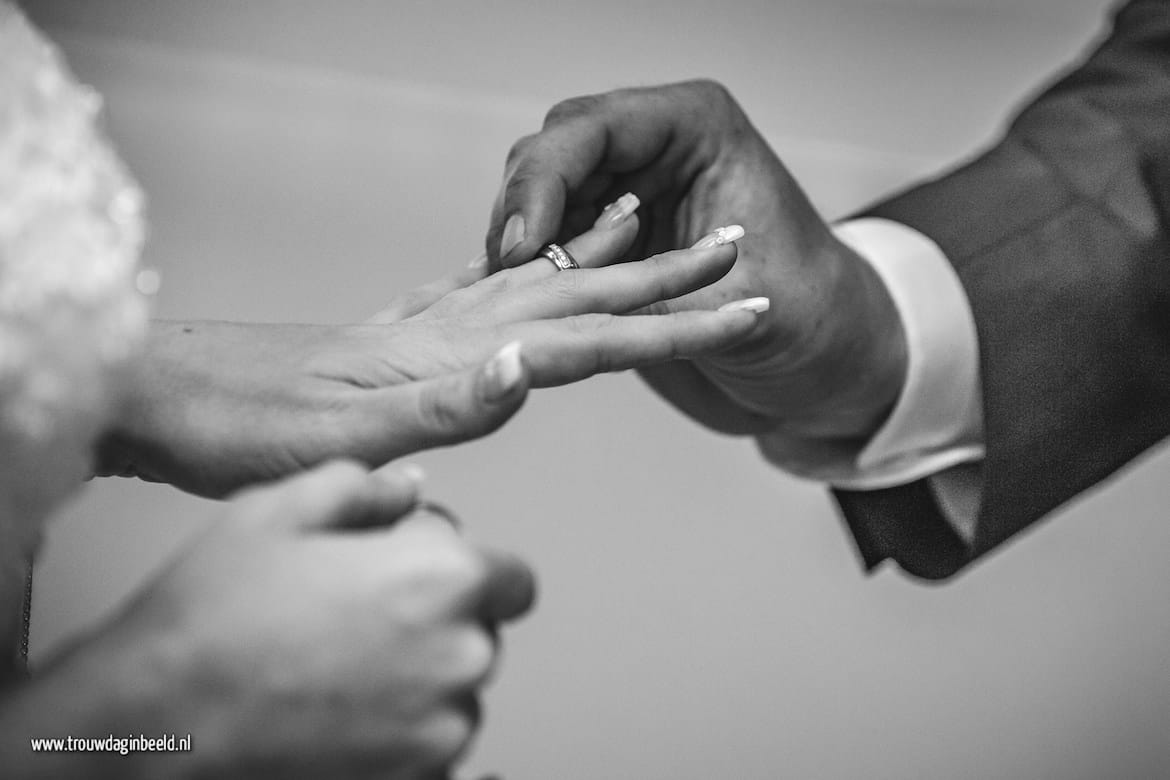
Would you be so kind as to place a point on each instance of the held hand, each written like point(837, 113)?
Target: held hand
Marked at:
point(326, 628)
point(829, 357)
point(223, 405)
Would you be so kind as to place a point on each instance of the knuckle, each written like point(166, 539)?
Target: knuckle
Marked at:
point(467, 572)
point(476, 658)
point(711, 92)
point(451, 570)
point(441, 409)
point(457, 408)
point(444, 738)
point(721, 107)
point(574, 107)
point(523, 178)
point(662, 273)
point(594, 356)
point(518, 149)
point(590, 324)
point(713, 88)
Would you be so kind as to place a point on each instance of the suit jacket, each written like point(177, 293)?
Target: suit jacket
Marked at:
point(1060, 235)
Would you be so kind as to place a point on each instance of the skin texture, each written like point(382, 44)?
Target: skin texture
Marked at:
point(828, 359)
point(217, 406)
point(324, 628)
point(327, 626)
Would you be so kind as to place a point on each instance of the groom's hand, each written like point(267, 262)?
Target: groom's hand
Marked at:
point(828, 360)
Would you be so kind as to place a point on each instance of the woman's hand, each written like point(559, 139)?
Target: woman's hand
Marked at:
point(220, 405)
point(329, 626)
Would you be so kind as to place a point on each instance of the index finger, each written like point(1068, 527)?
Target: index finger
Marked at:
point(614, 133)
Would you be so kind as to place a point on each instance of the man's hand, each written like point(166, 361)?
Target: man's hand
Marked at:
point(328, 627)
point(827, 362)
point(216, 406)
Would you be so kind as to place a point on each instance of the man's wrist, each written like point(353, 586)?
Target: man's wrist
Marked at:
point(935, 422)
point(861, 365)
point(877, 356)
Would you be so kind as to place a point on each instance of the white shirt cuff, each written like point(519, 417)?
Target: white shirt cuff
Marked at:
point(937, 422)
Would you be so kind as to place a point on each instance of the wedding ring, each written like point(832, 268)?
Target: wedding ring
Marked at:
point(559, 256)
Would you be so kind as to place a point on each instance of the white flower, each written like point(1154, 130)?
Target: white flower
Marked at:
point(71, 230)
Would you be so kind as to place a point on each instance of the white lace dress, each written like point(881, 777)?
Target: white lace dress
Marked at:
point(70, 235)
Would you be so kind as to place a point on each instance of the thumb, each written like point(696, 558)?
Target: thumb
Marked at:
point(343, 494)
point(445, 410)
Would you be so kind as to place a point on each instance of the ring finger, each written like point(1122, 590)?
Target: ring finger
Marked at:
point(613, 233)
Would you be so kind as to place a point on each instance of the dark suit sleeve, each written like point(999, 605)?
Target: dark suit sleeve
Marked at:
point(1059, 235)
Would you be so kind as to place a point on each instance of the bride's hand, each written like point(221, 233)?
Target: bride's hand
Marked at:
point(216, 406)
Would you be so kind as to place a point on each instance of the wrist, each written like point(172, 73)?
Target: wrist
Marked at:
point(863, 358)
point(135, 437)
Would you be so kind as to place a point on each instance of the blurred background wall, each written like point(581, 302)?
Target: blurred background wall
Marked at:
point(702, 615)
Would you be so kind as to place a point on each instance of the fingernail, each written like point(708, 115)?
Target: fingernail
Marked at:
point(757, 305)
point(719, 237)
point(413, 472)
point(478, 260)
point(513, 234)
point(617, 212)
point(504, 371)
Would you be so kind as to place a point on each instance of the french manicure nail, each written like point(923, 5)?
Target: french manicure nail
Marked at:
point(757, 305)
point(478, 261)
point(504, 371)
point(719, 237)
point(513, 234)
point(617, 212)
